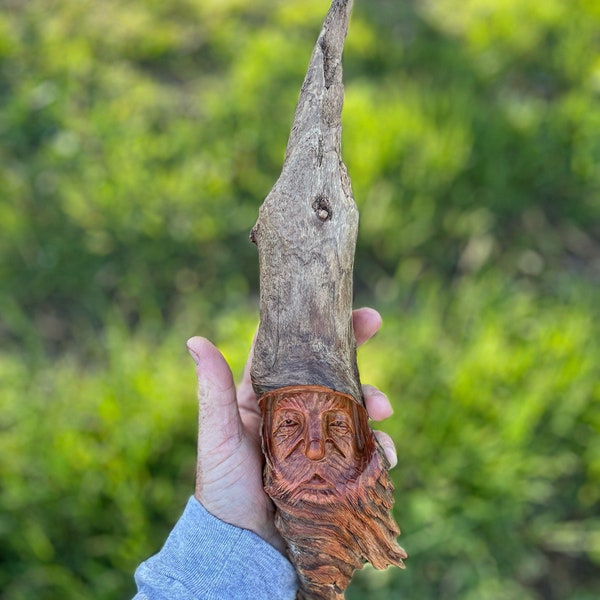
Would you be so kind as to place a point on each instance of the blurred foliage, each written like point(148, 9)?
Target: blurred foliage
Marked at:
point(497, 400)
point(137, 142)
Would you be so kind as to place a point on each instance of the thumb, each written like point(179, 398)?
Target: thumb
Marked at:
point(219, 419)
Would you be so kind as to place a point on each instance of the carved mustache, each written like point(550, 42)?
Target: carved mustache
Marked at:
point(320, 478)
point(288, 492)
point(306, 473)
point(317, 477)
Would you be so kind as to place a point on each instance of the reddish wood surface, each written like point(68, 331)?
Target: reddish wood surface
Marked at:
point(328, 479)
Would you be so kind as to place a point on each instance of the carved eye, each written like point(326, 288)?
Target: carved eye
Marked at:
point(339, 427)
point(287, 427)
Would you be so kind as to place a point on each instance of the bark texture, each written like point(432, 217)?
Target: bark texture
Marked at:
point(306, 236)
point(325, 472)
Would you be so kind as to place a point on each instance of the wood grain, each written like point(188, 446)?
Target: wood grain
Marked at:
point(325, 472)
point(306, 237)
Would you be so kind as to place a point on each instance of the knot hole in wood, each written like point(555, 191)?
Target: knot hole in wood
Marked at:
point(322, 208)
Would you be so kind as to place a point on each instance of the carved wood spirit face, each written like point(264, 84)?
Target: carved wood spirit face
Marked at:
point(315, 442)
point(330, 485)
point(315, 439)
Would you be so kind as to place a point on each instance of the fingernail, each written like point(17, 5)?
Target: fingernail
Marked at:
point(193, 354)
point(390, 452)
point(393, 458)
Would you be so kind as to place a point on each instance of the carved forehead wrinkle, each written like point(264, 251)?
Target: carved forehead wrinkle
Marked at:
point(302, 401)
point(290, 403)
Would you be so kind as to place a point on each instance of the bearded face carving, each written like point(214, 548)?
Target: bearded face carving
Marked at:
point(317, 444)
point(323, 469)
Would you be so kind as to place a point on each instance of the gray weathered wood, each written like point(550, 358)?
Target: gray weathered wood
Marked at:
point(306, 236)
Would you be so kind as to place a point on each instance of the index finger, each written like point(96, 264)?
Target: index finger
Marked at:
point(245, 391)
point(366, 322)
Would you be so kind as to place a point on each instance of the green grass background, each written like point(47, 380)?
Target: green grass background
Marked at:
point(137, 141)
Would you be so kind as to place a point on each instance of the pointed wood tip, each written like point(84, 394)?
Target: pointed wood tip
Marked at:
point(332, 37)
point(319, 108)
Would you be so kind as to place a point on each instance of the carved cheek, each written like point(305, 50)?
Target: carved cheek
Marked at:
point(340, 433)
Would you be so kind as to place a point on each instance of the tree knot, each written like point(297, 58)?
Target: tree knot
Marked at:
point(322, 208)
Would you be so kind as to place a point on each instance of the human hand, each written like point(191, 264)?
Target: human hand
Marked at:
point(229, 481)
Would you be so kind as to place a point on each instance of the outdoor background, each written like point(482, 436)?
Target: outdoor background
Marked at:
point(138, 139)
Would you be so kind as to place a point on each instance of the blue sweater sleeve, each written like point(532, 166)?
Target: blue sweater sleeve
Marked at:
point(207, 559)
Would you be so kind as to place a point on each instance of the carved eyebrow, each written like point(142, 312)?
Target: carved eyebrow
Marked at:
point(288, 414)
point(334, 403)
point(290, 403)
point(336, 415)
point(337, 411)
point(329, 403)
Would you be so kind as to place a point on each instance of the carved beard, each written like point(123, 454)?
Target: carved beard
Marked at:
point(313, 483)
point(333, 527)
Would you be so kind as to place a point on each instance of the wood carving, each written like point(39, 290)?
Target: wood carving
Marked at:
point(324, 469)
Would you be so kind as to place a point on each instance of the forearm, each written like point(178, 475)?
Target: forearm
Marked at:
point(205, 559)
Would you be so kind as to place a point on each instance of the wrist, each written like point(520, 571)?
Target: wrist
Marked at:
point(263, 528)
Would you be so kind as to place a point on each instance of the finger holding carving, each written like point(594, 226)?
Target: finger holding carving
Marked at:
point(245, 393)
point(388, 447)
point(219, 421)
point(377, 403)
point(366, 322)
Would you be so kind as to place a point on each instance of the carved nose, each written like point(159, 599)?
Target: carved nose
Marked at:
point(315, 449)
point(315, 444)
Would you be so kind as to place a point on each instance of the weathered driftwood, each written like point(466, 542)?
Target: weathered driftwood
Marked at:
point(325, 471)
